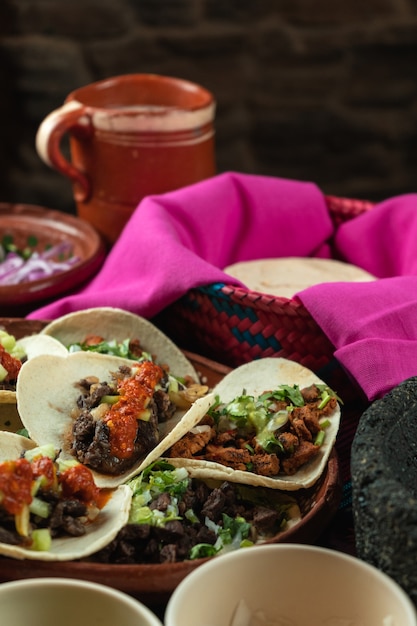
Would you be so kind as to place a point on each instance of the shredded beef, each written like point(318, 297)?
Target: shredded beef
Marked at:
point(264, 518)
point(9, 536)
point(165, 408)
point(67, 518)
point(142, 543)
point(214, 504)
point(91, 435)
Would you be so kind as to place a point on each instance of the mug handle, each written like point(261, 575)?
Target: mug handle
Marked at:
point(71, 117)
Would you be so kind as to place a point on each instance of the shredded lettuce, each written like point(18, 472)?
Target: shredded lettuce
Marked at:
point(111, 347)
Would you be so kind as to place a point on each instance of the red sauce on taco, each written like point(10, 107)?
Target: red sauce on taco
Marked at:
point(122, 418)
point(10, 364)
point(15, 485)
point(78, 482)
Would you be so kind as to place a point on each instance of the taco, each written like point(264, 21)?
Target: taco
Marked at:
point(13, 353)
point(51, 510)
point(115, 332)
point(272, 422)
point(174, 517)
point(112, 414)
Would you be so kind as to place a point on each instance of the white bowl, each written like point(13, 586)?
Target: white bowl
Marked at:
point(288, 585)
point(66, 601)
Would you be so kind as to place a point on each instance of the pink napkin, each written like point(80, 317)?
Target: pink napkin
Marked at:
point(183, 239)
point(374, 325)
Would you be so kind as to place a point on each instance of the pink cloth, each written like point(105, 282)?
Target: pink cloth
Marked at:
point(183, 239)
point(374, 325)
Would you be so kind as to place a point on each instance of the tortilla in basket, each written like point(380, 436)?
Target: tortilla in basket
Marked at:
point(117, 325)
point(286, 276)
point(99, 531)
point(48, 390)
point(253, 379)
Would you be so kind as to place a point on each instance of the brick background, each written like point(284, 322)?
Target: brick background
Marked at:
point(320, 90)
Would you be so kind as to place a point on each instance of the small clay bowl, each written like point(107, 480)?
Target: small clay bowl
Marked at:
point(49, 228)
point(384, 485)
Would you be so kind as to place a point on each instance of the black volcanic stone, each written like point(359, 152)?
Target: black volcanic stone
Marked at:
point(384, 485)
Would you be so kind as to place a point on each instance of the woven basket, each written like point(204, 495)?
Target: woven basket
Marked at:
point(235, 325)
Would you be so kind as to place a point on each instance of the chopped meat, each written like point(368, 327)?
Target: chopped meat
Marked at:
point(65, 517)
point(93, 340)
point(142, 543)
point(162, 502)
point(191, 444)
point(311, 393)
point(169, 532)
point(289, 441)
point(135, 348)
point(265, 464)
point(214, 504)
point(165, 407)
point(9, 536)
point(329, 408)
point(237, 459)
point(168, 553)
point(310, 416)
point(264, 519)
point(299, 426)
point(222, 439)
point(97, 392)
point(304, 453)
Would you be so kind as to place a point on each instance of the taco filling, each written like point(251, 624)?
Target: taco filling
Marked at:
point(126, 349)
point(15, 352)
point(174, 517)
point(116, 422)
point(11, 358)
point(42, 499)
point(274, 433)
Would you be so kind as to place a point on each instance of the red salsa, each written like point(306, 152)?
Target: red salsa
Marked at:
point(15, 485)
point(78, 482)
point(44, 466)
point(17, 478)
point(10, 364)
point(135, 395)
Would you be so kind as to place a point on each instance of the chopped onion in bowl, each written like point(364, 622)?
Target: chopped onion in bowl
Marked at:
point(16, 268)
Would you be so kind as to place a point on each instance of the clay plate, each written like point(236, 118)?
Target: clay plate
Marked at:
point(153, 584)
point(49, 227)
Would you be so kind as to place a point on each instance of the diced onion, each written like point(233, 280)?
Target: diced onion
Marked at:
point(14, 269)
point(200, 429)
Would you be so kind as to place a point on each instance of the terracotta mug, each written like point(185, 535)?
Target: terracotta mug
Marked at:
point(129, 136)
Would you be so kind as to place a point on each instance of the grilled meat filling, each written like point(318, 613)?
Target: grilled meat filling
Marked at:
point(116, 422)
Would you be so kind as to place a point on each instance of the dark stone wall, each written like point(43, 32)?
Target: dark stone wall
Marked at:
point(319, 90)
